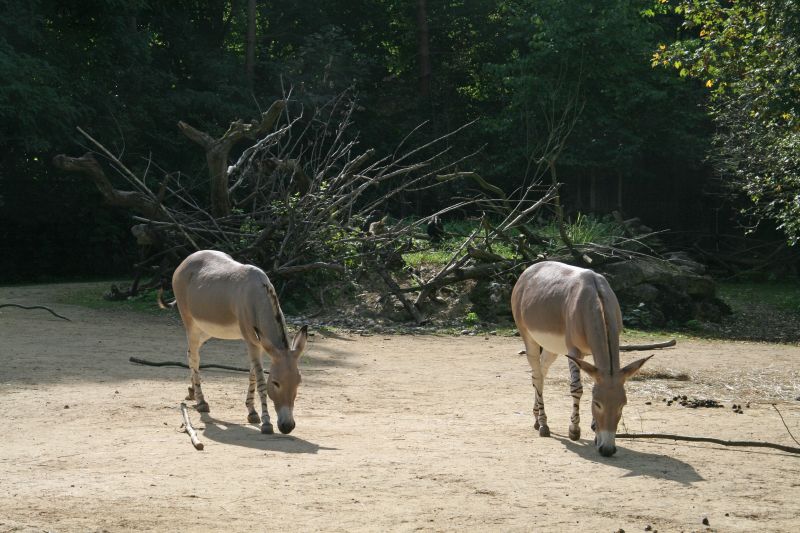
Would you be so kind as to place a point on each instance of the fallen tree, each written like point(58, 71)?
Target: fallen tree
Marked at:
point(306, 203)
point(301, 201)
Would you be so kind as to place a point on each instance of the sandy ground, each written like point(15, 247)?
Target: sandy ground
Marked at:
point(399, 433)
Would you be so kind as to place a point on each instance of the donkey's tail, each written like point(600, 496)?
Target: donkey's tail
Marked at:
point(163, 304)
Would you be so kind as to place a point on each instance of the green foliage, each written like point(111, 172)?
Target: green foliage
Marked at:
point(781, 295)
point(585, 229)
point(472, 319)
point(748, 56)
point(91, 295)
point(597, 52)
point(128, 71)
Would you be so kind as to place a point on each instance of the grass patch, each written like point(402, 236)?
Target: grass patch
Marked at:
point(583, 230)
point(427, 257)
point(91, 296)
point(784, 295)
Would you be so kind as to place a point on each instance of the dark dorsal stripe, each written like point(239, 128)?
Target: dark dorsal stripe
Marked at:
point(605, 324)
point(281, 321)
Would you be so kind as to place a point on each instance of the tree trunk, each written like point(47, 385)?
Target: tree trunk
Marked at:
point(423, 49)
point(250, 54)
point(217, 160)
point(217, 151)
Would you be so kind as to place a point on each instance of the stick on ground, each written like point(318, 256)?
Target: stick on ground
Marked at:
point(187, 425)
point(746, 443)
point(184, 365)
point(637, 347)
point(38, 307)
point(642, 347)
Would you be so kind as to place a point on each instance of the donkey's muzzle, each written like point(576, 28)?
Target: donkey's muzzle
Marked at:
point(607, 451)
point(286, 427)
point(604, 440)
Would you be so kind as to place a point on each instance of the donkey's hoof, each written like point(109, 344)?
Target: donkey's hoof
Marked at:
point(253, 418)
point(266, 429)
point(544, 431)
point(536, 425)
point(203, 407)
point(190, 396)
point(574, 433)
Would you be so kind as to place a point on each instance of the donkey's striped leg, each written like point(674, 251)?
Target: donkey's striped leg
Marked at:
point(195, 339)
point(576, 390)
point(252, 414)
point(547, 359)
point(532, 349)
point(256, 367)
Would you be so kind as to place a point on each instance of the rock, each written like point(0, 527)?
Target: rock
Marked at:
point(644, 292)
point(683, 261)
point(491, 300)
point(672, 290)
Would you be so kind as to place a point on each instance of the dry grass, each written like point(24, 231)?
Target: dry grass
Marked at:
point(660, 373)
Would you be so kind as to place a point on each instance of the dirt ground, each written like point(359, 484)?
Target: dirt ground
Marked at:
point(394, 433)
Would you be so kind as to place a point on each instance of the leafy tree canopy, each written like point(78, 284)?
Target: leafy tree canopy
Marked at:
point(748, 56)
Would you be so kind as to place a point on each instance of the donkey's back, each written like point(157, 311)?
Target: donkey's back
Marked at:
point(215, 293)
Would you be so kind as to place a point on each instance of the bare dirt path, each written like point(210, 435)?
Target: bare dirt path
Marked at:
point(397, 433)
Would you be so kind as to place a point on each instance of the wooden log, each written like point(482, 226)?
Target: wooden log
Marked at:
point(187, 425)
point(641, 347)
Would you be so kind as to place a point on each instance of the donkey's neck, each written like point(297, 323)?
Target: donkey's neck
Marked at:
point(606, 338)
point(270, 319)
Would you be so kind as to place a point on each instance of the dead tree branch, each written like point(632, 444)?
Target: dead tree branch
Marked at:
point(37, 307)
point(398, 293)
point(745, 443)
point(188, 428)
point(133, 200)
point(217, 151)
point(641, 347)
point(302, 202)
point(637, 347)
point(145, 362)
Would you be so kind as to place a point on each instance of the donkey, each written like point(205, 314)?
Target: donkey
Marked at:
point(221, 298)
point(568, 310)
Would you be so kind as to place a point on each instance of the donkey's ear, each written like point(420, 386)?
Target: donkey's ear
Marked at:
point(587, 367)
point(299, 341)
point(634, 367)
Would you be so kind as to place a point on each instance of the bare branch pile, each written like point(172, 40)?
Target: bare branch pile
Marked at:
point(302, 200)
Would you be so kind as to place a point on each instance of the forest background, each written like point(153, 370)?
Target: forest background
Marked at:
point(689, 110)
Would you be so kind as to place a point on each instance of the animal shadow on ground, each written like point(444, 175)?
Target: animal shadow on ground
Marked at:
point(250, 436)
point(637, 463)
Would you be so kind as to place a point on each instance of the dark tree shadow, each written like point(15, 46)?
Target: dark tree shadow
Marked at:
point(328, 333)
point(636, 463)
point(250, 436)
